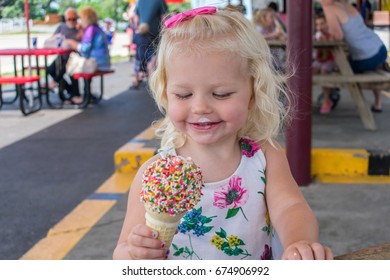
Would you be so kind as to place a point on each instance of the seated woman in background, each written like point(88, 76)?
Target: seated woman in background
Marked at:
point(367, 51)
point(93, 43)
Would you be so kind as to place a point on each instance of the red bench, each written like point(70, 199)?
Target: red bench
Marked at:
point(26, 105)
point(87, 77)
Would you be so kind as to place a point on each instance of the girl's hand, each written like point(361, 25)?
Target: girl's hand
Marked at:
point(143, 243)
point(304, 250)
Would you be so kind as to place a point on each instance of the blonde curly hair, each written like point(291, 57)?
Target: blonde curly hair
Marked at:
point(231, 32)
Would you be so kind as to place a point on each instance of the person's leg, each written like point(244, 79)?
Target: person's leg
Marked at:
point(372, 63)
point(51, 70)
point(377, 107)
point(75, 97)
point(327, 103)
point(75, 87)
point(137, 70)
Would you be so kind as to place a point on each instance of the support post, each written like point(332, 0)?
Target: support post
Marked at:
point(299, 49)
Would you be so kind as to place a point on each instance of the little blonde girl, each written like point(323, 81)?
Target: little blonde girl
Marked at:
point(220, 96)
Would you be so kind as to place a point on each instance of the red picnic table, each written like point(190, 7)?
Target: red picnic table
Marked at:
point(21, 80)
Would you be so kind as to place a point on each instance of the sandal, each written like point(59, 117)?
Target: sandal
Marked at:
point(375, 110)
point(326, 106)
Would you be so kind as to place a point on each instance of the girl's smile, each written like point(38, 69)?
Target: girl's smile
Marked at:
point(204, 125)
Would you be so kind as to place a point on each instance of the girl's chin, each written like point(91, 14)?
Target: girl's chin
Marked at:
point(203, 139)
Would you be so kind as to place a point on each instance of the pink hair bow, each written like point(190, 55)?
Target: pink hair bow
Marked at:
point(174, 20)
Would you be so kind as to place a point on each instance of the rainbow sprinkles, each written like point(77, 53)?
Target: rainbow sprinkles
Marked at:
point(171, 185)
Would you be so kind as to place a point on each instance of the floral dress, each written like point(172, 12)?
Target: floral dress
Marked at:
point(231, 221)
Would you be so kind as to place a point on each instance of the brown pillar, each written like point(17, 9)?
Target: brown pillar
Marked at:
point(299, 49)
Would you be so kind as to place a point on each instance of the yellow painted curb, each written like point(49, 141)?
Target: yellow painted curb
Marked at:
point(69, 231)
point(118, 183)
point(332, 162)
point(129, 157)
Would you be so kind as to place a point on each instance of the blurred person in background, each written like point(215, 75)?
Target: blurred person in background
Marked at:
point(366, 49)
point(143, 54)
point(68, 30)
point(269, 28)
point(152, 12)
point(274, 6)
point(93, 43)
point(109, 29)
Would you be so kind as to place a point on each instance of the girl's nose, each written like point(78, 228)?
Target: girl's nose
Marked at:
point(200, 105)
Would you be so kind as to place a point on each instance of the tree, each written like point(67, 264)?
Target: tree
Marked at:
point(11, 8)
point(39, 8)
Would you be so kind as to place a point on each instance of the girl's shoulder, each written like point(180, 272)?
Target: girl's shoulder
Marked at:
point(270, 147)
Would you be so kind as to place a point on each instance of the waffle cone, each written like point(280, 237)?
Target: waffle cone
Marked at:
point(165, 224)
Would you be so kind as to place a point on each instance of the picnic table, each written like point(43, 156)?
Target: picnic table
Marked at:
point(377, 252)
point(28, 78)
point(347, 78)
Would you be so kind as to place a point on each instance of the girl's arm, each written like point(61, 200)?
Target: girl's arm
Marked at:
point(290, 214)
point(136, 240)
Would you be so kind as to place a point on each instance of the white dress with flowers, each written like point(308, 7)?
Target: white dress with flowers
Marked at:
point(231, 221)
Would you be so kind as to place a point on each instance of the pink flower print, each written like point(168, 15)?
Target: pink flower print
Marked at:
point(232, 196)
point(248, 147)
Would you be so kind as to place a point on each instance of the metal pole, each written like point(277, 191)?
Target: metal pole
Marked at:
point(27, 15)
point(299, 47)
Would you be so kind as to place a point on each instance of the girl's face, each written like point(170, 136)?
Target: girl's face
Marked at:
point(269, 19)
point(208, 95)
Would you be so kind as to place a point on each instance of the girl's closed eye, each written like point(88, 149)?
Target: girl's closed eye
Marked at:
point(183, 95)
point(222, 95)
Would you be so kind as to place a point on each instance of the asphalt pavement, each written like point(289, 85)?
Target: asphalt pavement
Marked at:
point(49, 172)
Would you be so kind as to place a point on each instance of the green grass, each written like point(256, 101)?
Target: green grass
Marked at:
point(119, 58)
point(42, 73)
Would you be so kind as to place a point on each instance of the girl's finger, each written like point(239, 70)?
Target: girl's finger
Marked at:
point(137, 240)
point(305, 251)
point(318, 251)
point(292, 254)
point(328, 254)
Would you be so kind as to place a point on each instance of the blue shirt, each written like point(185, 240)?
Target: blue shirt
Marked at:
point(150, 12)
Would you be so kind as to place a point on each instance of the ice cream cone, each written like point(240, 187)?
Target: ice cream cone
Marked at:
point(165, 224)
point(171, 186)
